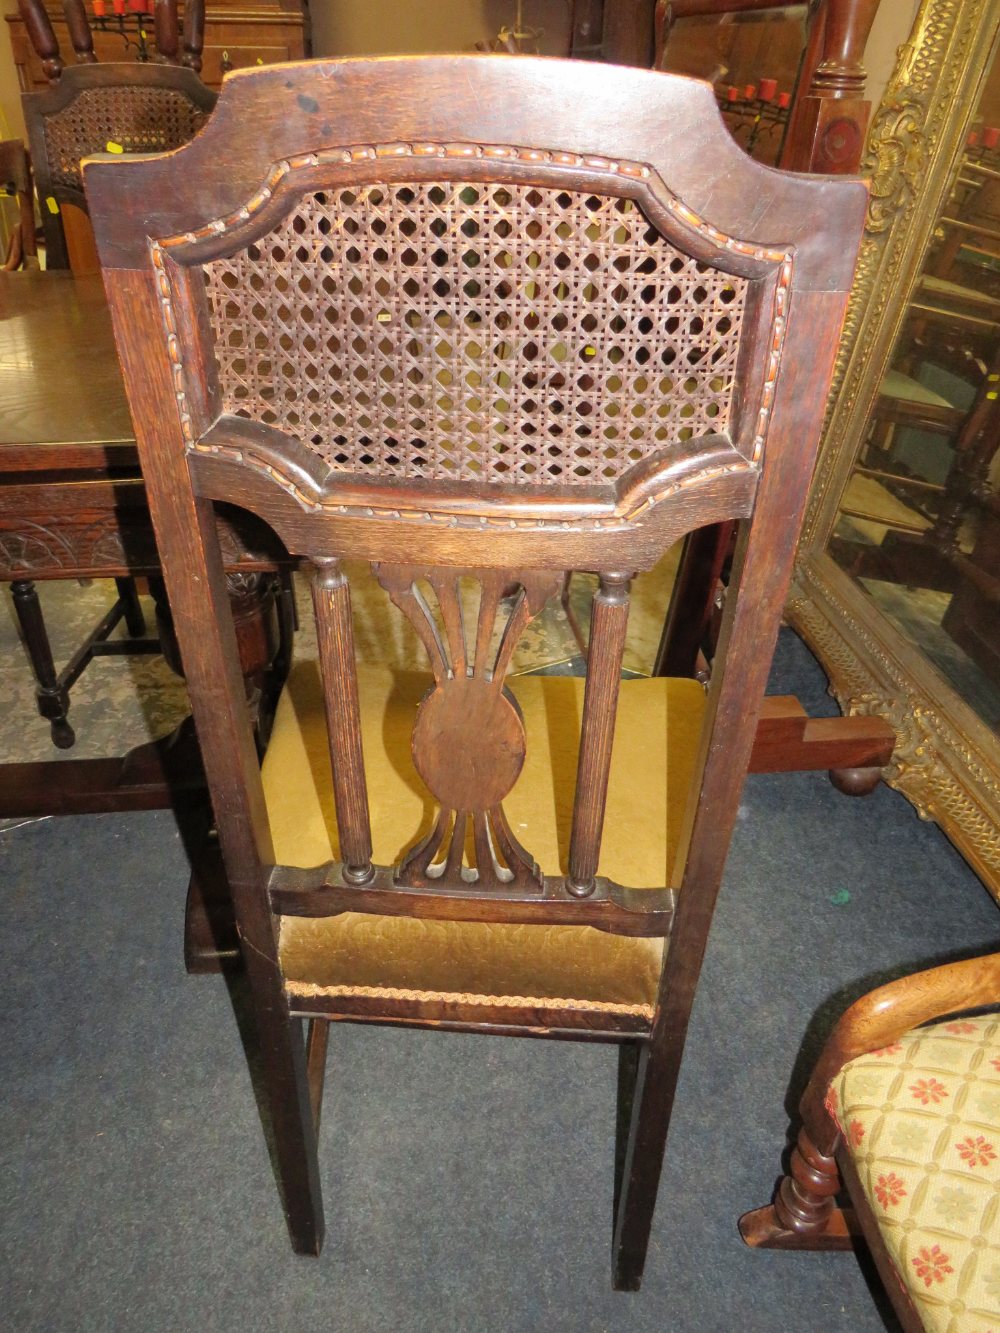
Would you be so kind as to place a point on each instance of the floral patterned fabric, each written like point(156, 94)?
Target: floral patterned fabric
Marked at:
point(921, 1119)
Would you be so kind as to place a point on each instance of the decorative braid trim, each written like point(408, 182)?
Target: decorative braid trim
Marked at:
point(306, 989)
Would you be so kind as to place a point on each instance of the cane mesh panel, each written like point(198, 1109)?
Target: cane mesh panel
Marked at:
point(140, 119)
point(475, 332)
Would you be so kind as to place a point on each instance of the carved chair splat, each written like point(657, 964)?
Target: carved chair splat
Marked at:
point(474, 320)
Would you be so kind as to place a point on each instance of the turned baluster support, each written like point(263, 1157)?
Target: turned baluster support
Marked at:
point(79, 31)
point(604, 668)
point(42, 37)
point(806, 1195)
point(167, 30)
point(194, 34)
point(332, 602)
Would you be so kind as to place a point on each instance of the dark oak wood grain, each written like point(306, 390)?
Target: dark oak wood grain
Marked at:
point(529, 151)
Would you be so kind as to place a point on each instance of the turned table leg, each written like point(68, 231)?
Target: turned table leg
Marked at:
point(52, 698)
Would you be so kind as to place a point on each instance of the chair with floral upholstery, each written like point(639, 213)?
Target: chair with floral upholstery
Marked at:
point(903, 1109)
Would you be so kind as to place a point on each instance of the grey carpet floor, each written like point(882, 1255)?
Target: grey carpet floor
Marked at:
point(468, 1180)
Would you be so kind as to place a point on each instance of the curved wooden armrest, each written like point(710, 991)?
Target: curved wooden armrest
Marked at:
point(884, 1015)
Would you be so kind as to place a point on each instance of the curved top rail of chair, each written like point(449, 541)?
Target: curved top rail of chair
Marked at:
point(617, 113)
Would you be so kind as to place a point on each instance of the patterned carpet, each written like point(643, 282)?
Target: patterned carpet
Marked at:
point(123, 701)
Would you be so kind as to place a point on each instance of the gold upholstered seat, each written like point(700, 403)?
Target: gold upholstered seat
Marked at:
point(656, 741)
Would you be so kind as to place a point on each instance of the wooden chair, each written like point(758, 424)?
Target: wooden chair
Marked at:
point(15, 183)
point(907, 1118)
point(128, 106)
point(401, 309)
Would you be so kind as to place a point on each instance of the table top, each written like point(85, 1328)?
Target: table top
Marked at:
point(62, 401)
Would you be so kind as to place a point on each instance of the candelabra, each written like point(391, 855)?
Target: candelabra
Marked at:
point(755, 112)
point(127, 18)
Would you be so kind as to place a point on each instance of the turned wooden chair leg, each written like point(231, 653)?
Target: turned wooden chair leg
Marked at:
point(51, 697)
point(804, 1215)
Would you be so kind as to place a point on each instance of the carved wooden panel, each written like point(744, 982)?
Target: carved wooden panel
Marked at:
point(468, 739)
point(141, 119)
point(447, 330)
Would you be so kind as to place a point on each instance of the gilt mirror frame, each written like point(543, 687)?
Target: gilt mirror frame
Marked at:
point(947, 760)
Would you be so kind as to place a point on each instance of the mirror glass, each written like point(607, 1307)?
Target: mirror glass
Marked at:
point(752, 60)
point(919, 522)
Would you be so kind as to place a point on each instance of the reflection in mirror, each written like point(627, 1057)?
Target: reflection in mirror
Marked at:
point(919, 524)
point(753, 61)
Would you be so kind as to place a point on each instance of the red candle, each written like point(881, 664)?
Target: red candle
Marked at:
point(783, 100)
point(733, 95)
point(119, 6)
point(750, 91)
point(973, 139)
point(991, 136)
point(137, 6)
point(768, 87)
point(100, 9)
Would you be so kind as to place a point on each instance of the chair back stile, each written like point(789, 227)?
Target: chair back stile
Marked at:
point(479, 322)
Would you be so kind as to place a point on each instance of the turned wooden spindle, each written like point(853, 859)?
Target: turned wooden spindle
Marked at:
point(604, 668)
point(194, 34)
point(167, 30)
point(79, 31)
point(805, 1198)
point(332, 601)
point(42, 37)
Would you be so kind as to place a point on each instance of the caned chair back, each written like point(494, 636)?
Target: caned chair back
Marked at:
point(478, 318)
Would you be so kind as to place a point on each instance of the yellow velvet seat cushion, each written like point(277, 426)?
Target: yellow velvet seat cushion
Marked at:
point(658, 728)
point(921, 1119)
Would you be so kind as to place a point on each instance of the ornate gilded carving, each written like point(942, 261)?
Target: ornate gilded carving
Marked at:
point(911, 142)
point(947, 762)
point(946, 766)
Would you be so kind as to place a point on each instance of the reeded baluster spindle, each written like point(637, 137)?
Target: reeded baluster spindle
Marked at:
point(332, 602)
point(604, 668)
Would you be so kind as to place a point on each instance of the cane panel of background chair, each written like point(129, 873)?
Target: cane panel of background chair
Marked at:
point(15, 183)
point(907, 1118)
point(127, 107)
point(480, 322)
